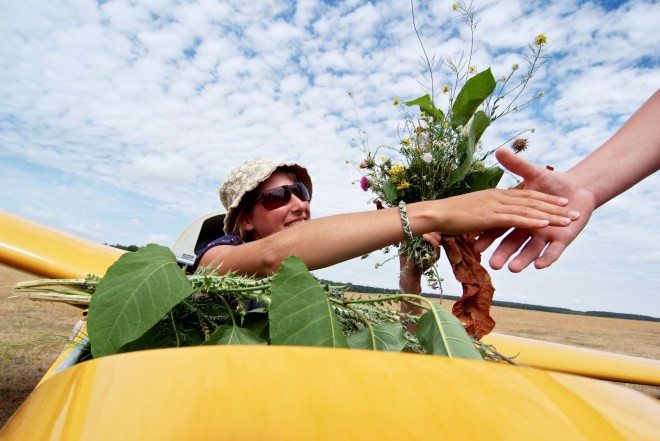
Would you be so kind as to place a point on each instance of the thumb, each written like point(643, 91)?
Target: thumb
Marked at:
point(517, 165)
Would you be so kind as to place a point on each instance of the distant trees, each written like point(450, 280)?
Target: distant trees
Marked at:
point(124, 247)
point(371, 290)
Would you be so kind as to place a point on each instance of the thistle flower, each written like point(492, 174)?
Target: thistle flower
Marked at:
point(540, 40)
point(368, 163)
point(364, 183)
point(519, 145)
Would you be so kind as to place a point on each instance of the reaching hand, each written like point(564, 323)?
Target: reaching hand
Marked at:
point(553, 240)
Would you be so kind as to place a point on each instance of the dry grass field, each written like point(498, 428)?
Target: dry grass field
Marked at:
point(22, 320)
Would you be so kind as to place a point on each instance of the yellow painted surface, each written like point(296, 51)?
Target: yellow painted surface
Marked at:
point(47, 252)
point(294, 393)
point(580, 361)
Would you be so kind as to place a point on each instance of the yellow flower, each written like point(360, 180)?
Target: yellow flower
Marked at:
point(445, 89)
point(406, 141)
point(397, 169)
point(403, 185)
point(396, 101)
point(540, 40)
point(472, 69)
point(454, 7)
point(541, 94)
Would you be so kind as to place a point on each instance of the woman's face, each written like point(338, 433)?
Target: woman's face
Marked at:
point(262, 223)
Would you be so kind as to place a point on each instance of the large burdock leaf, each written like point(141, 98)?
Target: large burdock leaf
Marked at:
point(382, 337)
point(136, 292)
point(442, 334)
point(234, 335)
point(300, 312)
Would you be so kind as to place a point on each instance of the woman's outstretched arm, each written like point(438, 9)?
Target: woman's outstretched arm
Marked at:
point(329, 240)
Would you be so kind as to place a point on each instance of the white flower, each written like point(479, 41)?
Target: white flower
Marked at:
point(427, 157)
point(465, 131)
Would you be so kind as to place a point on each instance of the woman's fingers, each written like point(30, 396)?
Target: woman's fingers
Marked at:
point(434, 240)
point(536, 205)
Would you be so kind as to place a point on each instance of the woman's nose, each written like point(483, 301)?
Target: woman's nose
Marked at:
point(297, 204)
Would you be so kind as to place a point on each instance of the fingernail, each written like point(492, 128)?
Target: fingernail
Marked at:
point(564, 220)
point(563, 201)
point(574, 214)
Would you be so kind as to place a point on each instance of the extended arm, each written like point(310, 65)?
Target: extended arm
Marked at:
point(629, 156)
point(326, 241)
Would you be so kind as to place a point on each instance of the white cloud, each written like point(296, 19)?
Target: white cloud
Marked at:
point(134, 112)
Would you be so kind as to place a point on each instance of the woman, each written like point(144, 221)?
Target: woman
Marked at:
point(268, 215)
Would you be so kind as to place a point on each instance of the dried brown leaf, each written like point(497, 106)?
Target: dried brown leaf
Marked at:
point(473, 308)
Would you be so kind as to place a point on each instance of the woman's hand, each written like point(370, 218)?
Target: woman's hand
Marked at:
point(488, 209)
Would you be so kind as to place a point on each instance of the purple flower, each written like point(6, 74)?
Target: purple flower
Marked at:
point(364, 183)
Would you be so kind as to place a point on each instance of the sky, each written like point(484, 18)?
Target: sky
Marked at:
point(120, 119)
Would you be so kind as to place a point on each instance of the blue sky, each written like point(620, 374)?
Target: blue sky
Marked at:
point(119, 120)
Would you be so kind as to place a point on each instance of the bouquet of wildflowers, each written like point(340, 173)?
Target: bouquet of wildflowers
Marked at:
point(439, 155)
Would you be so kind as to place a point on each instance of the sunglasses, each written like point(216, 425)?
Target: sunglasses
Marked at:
point(280, 196)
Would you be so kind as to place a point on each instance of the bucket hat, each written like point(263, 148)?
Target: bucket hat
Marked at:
point(246, 178)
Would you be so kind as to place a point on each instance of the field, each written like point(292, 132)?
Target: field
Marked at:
point(48, 325)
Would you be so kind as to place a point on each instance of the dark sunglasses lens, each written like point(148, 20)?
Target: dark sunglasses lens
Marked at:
point(301, 192)
point(275, 198)
point(280, 196)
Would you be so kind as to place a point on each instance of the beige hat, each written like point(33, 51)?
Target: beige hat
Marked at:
point(246, 178)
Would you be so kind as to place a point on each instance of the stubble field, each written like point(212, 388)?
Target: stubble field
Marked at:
point(48, 325)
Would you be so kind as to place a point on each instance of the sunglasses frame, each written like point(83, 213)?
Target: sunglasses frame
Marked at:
point(284, 191)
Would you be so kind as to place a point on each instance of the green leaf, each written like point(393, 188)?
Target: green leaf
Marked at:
point(136, 292)
point(484, 179)
point(391, 193)
point(300, 312)
point(474, 92)
point(466, 156)
point(387, 337)
point(425, 104)
point(257, 322)
point(440, 333)
point(233, 335)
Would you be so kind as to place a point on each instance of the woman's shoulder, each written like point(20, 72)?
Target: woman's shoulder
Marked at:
point(227, 239)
